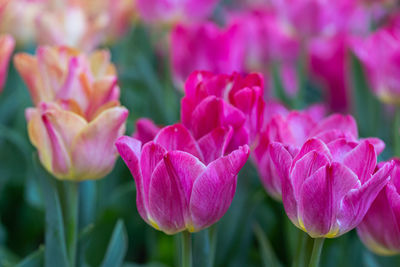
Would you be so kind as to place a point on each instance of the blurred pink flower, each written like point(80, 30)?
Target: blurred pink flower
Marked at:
point(168, 11)
point(205, 47)
point(380, 54)
point(380, 228)
point(292, 130)
point(328, 187)
point(7, 44)
point(212, 101)
point(182, 184)
point(85, 84)
point(330, 67)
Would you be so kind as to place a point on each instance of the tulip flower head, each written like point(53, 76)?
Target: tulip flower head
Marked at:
point(292, 130)
point(77, 117)
point(328, 187)
point(380, 53)
point(7, 44)
point(380, 228)
point(213, 101)
point(205, 47)
point(183, 184)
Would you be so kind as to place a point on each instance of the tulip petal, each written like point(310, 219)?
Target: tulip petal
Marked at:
point(345, 123)
point(320, 199)
point(129, 149)
point(361, 160)
point(380, 230)
point(357, 202)
point(340, 147)
point(213, 190)
point(282, 161)
point(304, 168)
point(177, 137)
point(93, 151)
point(170, 190)
point(214, 144)
point(378, 144)
point(313, 144)
point(146, 130)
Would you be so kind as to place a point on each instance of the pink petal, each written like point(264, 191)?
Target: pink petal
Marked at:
point(146, 130)
point(214, 144)
point(93, 152)
point(320, 198)
point(129, 149)
point(177, 137)
point(340, 147)
point(214, 189)
point(378, 144)
point(357, 202)
point(304, 168)
point(282, 161)
point(170, 190)
point(362, 161)
point(380, 229)
point(345, 123)
point(313, 144)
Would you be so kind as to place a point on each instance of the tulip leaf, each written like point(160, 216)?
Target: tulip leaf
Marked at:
point(117, 247)
point(35, 259)
point(266, 250)
point(55, 249)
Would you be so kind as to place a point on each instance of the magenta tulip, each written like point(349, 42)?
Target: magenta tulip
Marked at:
point(213, 101)
point(292, 130)
point(205, 47)
point(328, 187)
point(380, 54)
point(380, 228)
point(183, 184)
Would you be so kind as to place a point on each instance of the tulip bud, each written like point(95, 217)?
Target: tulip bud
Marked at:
point(327, 188)
point(183, 184)
point(380, 228)
point(72, 148)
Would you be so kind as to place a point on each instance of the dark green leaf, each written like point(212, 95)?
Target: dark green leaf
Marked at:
point(117, 247)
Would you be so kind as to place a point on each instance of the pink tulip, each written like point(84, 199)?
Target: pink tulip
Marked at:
point(183, 184)
point(84, 84)
point(205, 47)
point(323, 17)
point(328, 186)
point(212, 101)
point(7, 44)
point(71, 147)
point(380, 54)
point(330, 67)
point(292, 130)
point(380, 228)
point(168, 11)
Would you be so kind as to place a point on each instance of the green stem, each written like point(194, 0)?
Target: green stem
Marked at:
point(316, 252)
point(186, 249)
point(70, 210)
point(301, 249)
point(213, 243)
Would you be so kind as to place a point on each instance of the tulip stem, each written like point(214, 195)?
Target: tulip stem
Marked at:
point(186, 249)
point(316, 252)
point(71, 201)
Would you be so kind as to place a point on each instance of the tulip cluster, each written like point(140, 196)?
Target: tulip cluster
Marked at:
point(77, 115)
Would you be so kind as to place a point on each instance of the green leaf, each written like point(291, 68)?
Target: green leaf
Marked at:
point(117, 247)
point(266, 250)
point(55, 249)
point(34, 259)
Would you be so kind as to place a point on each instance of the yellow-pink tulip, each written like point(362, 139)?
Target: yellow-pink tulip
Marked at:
point(77, 117)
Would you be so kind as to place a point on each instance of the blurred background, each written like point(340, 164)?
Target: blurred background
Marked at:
point(309, 51)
